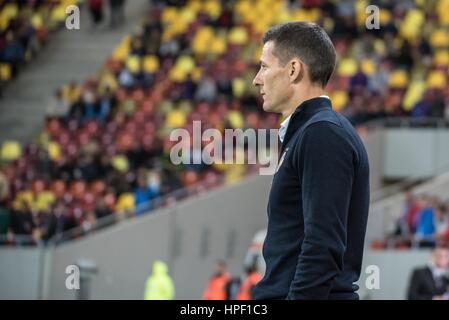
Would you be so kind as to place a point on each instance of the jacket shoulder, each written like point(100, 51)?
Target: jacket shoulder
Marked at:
point(329, 116)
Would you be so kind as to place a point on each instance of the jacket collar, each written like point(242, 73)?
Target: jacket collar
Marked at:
point(303, 113)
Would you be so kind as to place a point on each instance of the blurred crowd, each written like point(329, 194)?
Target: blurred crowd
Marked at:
point(105, 144)
point(24, 29)
point(423, 223)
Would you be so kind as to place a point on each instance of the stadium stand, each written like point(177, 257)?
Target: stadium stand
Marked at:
point(106, 142)
point(24, 28)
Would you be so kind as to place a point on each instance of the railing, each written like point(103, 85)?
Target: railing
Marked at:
point(143, 209)
point(407, 122)
point(114, 218)
point(19, 240)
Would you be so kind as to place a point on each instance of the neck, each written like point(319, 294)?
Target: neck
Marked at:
point(301, 95)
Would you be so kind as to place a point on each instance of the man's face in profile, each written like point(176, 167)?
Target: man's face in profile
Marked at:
point(273, 80)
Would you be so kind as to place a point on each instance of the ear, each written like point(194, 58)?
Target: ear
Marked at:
point(296, 70)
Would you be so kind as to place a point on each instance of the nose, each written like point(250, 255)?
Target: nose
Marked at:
point(257, 81)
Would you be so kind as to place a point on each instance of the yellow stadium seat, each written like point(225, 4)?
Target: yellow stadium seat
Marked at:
point(347, 67)
point(179, 26)
point(169, 14)
point(133, 64)
point(436, 79)
point(218, 46)
point(441, 58)
point(188, 15)
point(202, 39)
point(58, 13)
point(238, 87)
point(194, 6)
point(368, 66)
point(121, 52)
point(411, 26)
point(283, 17)
point(398, 79)
point(175, 119)
point(120, 163)
point(11, 150)
point(10, 11)
point(236, 119)
point(384, 17)
point(177, 75)
point(360, 14)
point(108, 80)
point(339, 100)
point(185, 63)
point(238, 35)
point(213, 8)
point(439, 38)
point(37, 21)
point(197, 73)
point(442, 8)
point(150, 63)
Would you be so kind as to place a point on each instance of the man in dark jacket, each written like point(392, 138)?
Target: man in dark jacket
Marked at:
point(319, 199)
point(432, 281)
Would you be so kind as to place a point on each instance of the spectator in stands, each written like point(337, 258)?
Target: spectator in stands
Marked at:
point(4, 221)
point(13, 53)
point(411, 212)
point(216, 287)
point(58, 107)
point(442, 224)
point(102, 210)
point(4, 211)
point(117, 11)
point(425, 228)
point(432, 105)
point(21, 222)
point(406, 223)
point(96, 11)
point(431, 282)
point(143, 194)
point(4, 185)
point(147, 76)
point(107, 103)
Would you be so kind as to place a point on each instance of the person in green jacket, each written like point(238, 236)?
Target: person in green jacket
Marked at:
point(159, 285)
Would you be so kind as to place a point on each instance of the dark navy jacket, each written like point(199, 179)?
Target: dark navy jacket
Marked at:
point(317, 209)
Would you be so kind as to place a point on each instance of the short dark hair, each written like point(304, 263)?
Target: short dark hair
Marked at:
point(308, 42)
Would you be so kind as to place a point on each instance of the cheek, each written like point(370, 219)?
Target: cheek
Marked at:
point(278, 82)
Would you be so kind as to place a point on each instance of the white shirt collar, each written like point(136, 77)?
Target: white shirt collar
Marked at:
point(284, 124)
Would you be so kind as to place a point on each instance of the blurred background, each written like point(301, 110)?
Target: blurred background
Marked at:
point(85, 119)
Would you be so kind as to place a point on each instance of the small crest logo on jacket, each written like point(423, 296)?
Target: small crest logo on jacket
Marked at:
point(282, 159)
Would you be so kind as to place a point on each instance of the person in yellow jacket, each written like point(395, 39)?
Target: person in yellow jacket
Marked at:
point(159, 285)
